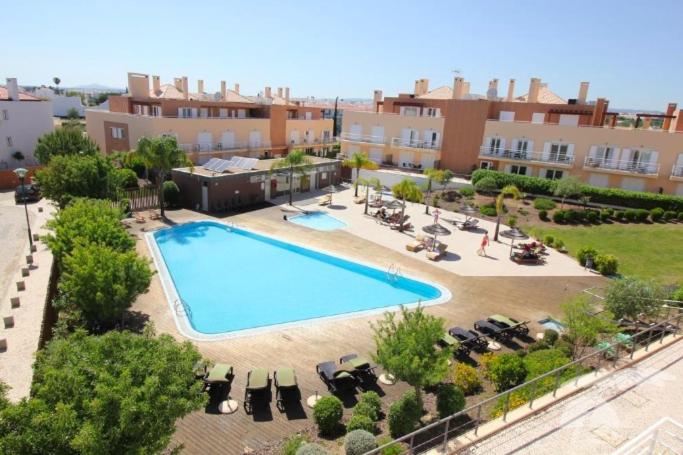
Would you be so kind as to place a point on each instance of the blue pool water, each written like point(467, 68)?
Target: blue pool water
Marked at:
point(233, 279)
point(320, 221)
point(550, 323)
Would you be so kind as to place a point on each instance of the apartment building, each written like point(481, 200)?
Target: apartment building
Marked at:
point(219, 125)
point(536, 134)
point(23, 119)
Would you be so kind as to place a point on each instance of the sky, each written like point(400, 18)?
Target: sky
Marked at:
point(630, 51)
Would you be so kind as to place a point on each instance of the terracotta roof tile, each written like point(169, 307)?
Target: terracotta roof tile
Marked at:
point(23, 96)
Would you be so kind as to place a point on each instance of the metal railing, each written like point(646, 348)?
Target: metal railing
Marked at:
point(523, 155)
point(220, 147)
point(314, 141)
point(677, 170)
point(664, 436)
point(634, 167)
point(381, 140)
point(442, 432)
point(415, 143)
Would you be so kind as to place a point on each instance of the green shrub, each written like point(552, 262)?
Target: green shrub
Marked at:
point(656, 214)
point(358, 442)
point(466, 378)
point(393, 449)
point(312, 449)
point(592, 216)
point(606, 264)
point(466, 192)
point(360, 422)
point(171, 193)
point(506, 371)
point(449, 400)
point(564, 346)
point(604, 215)
point(404, 414)
point(559, 244)
point(679, 217)
point(619, 215)
point(488, 210)
point(558, 216)
point(543, 215)
point(485, 360)
point(512, 221)
point(370, 405)
point(522, 211)
point(486, 186)
point(669, 215)
point(584, 252)
point(542, 203)
point(642, 215)
point(550, 336)
point(293, 443)
point(327, 414)
point(574, 216)
point(124, 206)
point(630, 215)
point(548, 240)
point(537, 346)
point(127, 178)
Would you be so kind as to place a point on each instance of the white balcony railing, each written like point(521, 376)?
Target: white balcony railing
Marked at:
point(634, 167)
point(220, 147)
point(313, 141)
point(415, 143)
point(363, 138)
point(677, 170)
point(522, 155)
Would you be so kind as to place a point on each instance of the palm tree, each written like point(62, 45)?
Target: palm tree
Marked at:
point(509, 190)
point(162, 154)
point(359, 161)
point(407, 189)
point(371, 182)
point(296, 161)
point(56, 80)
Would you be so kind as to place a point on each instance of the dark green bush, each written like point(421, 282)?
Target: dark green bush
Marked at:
point(327, 414)
point(606, 264)
point(558, 216)
point(449, 400)
point(537, 346)
point(548, 240)
point(543, 215)
point(631, 215)
point(656, 214)
point(126, 178)
point(574, 216)
point(124, 205)
point(584, 252)
point(679, 217)
point(393, 449)
point(592, 216)
point(642, 215)
point(542, 203)
point(605, 215)
point(506, 371)
point(669, 215)
point(488, 210)
point(370, 405)
point(564, 346)
point(360, 422)
point(467, 191)
point(404, 414)
point(486, 186)
point(619, 215)
point(358, 442)
point(171, 193)
point(550, 336)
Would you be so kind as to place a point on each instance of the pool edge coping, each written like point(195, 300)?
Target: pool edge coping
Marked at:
point(185, 327)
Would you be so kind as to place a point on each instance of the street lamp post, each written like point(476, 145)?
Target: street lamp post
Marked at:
point(21, 173)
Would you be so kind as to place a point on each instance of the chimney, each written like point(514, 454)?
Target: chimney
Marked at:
point(598, 118)
point(458, 88)
point(424, 86)
point(200, 86)
point(534, 88)
point(465, 88)
point(416, 92)
point(511, 91)
point(12, 89)
point(156, 85)
point(376, 96)
point(670, 109)
point(287, 94)
point(186, 89)
point(178, 83)
point(492, 92)
point(583, 93)
point(267, 93)
point(138, 85)
point(237, 88)
point(224, 91)
point(279, 92)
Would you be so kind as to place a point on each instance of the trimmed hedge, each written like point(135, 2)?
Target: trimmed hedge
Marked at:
point(612, 196)
point(327, 414)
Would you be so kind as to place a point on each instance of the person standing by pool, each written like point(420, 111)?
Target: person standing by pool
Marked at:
point(484, 243)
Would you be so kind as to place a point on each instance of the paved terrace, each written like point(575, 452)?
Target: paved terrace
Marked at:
point(523, 297)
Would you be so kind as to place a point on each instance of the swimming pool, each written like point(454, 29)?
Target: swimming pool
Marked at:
point(319, 221)
point(221, 281)
point(550, 323)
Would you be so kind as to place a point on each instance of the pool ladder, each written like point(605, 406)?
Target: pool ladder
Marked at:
point(393, 273)
point(182, 308)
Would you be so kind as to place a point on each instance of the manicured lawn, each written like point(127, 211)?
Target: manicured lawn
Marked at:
point(643, 250)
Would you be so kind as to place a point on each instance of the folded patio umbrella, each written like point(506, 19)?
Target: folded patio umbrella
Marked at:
point(436, 229)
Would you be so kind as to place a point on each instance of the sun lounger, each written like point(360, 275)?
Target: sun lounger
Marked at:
point(154, 215)
point(258, 383)
point(359, 199)
point(325, 200)
point(469, 338)
point(336, 379)
point(360, 366)
point(492, 330)
point(139, 218)
point(519, 328)
point(527, 258)
point(450, 341)
point(417, 244)
point(285, 386)
point(438, 252)
point(219, 375)
point(468, 224)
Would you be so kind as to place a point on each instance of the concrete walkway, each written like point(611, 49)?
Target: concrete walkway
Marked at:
point(603, 417)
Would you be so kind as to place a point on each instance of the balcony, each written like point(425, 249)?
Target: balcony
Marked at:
point(219, 147)
point(415, 144)
point(562, 160)
point(677, 172)
point(313, 142)
point(622, 167)
point(353, 137)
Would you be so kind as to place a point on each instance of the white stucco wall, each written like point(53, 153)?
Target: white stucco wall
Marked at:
point(26, 122)
point(390, 178)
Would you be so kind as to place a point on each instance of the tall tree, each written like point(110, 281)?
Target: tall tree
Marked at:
point(407, 190)
point(296, 162)
point(406, 348)
point(371, 182)
point(359, 161)
point(568, 187)
point(57, 81)
point(64, 141)
point(632, 297)
point(509, 190)
point(111, 394)
point(584, 324)
point(161, 154)
point(440, 176)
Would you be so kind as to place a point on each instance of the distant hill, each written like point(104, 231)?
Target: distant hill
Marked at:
point(95, 88)
point(633, 111)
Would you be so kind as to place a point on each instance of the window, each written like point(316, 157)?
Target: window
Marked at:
point(538, 117)
point(494, 145)
point(5, 114)
point(204, 112)
point(411, 111)
point(506, 116)
point(553, 174)
point(241, 113)
point(521, 149)
point(519, 170)
point(431, 112)
point(184, 112)
point(558, 152)
point(308, 115)
point(137, 109)
point(156, 111)
point(222, 112)
point(486, 165)
point(9, 141)
point(117, 133)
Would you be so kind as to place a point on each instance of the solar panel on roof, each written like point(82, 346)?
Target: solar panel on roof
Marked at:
point(238, 161)
point(250, 163)
point(210, 165)
point(222, 166)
